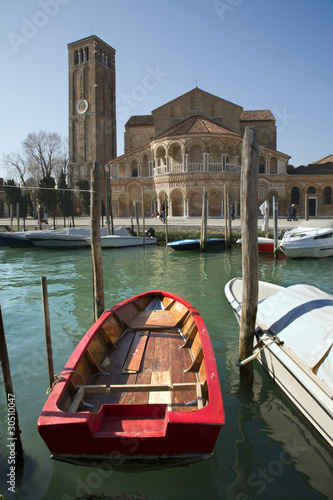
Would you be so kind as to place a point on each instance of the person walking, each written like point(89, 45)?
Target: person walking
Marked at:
point(293, 212)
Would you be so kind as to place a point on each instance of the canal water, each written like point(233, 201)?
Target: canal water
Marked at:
point(265, 450)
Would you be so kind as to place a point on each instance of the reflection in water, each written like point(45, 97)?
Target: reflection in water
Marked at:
point(265, 449)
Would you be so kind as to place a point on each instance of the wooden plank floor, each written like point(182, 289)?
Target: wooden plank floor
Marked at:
point(161, 358)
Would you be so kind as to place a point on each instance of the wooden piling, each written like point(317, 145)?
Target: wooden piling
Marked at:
point(229, 219)
point(18, 216)
point(249, 230)
point(225, 216)
point(306, 207)
point(95, 238)
point(203, 236)
point(11, 216)
point(137, 218)
point(166, 218)
point(10, 397)
point(143, 220)
point(47, 328)
point(275, 227)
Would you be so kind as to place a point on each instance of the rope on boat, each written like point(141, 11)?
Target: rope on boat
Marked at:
point(60, 378)
point(268, 342)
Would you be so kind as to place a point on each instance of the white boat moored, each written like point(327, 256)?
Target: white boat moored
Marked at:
point(312, 238)
point(68, 237)
point(295, 339)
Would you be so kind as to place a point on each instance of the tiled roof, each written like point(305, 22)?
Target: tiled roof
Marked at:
point(196, 124)
point(196, 90)
point(136, 120)
point(326, 159)
point(260, 114)
point(313, 169)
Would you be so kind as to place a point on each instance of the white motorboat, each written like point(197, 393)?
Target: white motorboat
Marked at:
point(118, 241)
point(68, 237)
point(312, 238)
point(294, 337)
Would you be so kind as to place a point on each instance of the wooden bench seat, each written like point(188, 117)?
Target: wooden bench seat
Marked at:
point(153, 319)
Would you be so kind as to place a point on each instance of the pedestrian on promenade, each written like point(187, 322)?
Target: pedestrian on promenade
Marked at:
point(293, 212)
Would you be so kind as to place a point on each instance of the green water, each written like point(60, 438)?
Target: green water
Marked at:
point(265, 449)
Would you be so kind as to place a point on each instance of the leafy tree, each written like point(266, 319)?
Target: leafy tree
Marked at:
point(47, 196)
point(84, 185)
point(64, 197)
point(14, 195)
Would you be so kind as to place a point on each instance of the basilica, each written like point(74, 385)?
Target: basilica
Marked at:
point(191, 143)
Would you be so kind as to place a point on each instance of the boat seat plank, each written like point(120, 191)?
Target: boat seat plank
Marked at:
point(162, 359)
point(134, 358)
point(153, 319)
point(126, 397)
point(144, 375)
point(160, 378)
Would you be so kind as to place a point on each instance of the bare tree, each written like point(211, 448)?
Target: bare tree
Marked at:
point(16, 164)
point(43, 154)
point(47, 151)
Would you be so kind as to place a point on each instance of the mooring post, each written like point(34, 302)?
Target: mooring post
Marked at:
point(95, 238)
point(11, 216)
point(225, 216)
point(249, 229)
point(306, 207)
point(203, 237)
point(143, 219)
point(166, 218)
point(229, 219)
point(10, 397)
point(275, 227)
point(47, 328)
point(137, 218)
point(18, 216)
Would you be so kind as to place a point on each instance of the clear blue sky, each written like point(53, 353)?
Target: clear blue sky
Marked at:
point(259, 54)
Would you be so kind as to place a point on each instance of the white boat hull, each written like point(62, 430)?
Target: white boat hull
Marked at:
point(80, 238)
point(308, 391)
point(310, 239)
point(310, 399)
point(114, 241)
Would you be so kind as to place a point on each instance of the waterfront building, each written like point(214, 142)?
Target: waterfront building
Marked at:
point(191, 143)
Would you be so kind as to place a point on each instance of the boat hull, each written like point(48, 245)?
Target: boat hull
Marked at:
point(284, 370)
point(161, 430)
point(304, 386)
point(194, 244)
point(310, 250)
point(306, 241)
point(125, 241)
point(265, 245)
point(16, 239)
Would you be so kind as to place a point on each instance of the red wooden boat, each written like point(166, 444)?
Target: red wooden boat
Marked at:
point(140, 391)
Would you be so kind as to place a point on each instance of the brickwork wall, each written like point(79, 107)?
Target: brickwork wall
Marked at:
point(198, 102)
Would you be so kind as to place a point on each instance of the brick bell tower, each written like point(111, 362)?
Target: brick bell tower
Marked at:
point(92, 106)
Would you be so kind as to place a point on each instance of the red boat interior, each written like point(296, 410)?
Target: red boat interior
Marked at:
point(148, 351)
